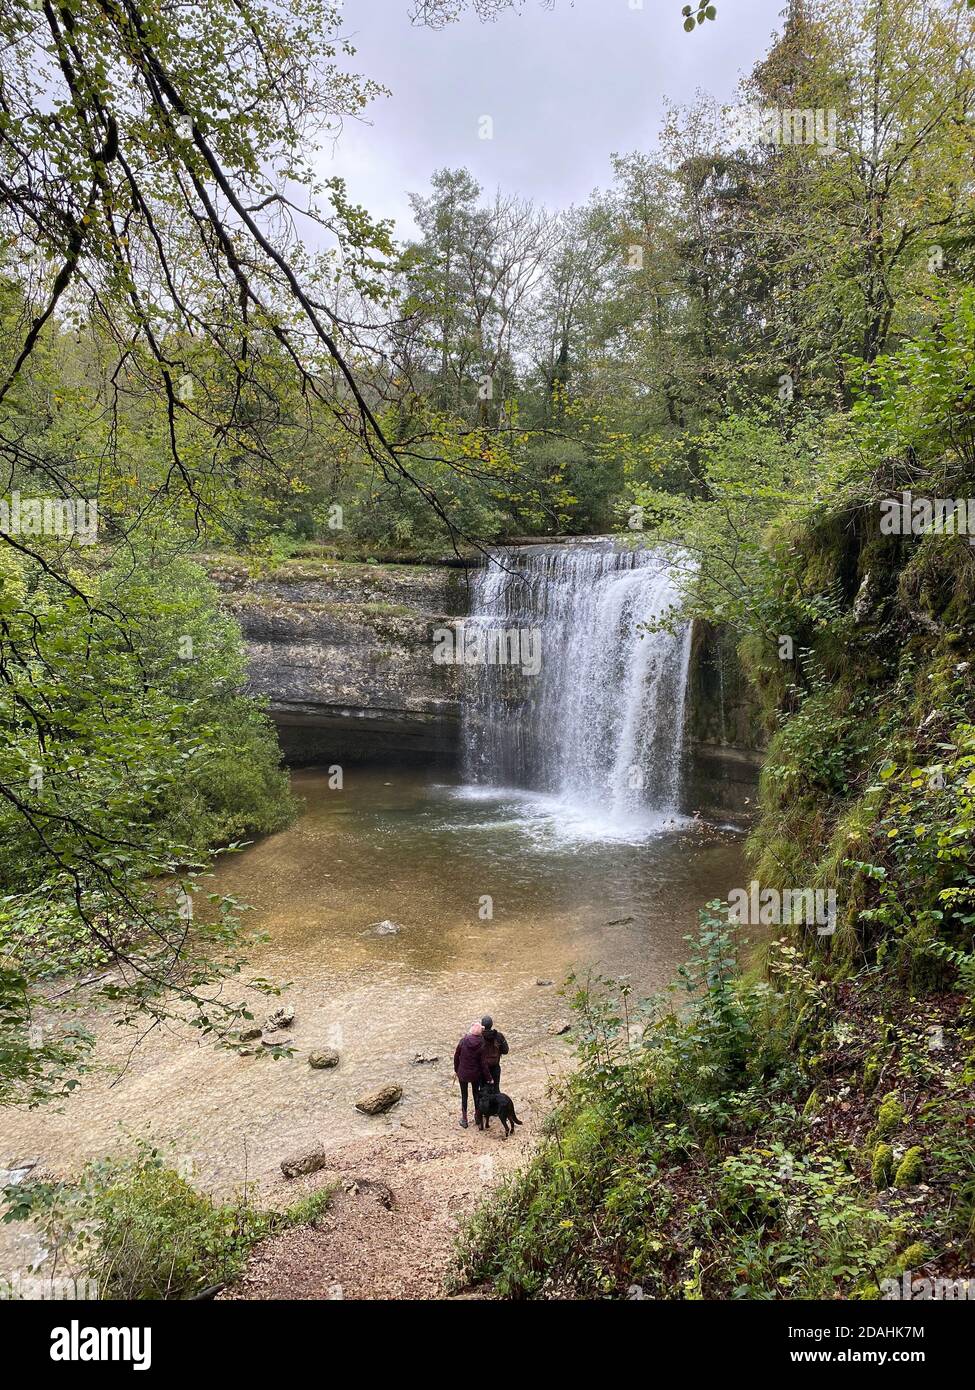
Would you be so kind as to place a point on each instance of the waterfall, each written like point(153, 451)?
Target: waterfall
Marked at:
point(598, 721)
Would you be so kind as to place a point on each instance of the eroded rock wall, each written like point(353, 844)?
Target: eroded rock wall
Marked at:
point(343, 655)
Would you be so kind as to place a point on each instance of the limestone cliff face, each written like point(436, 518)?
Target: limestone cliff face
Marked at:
point(343, 654)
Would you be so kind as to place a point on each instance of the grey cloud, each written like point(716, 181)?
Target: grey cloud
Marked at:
point(565, 88)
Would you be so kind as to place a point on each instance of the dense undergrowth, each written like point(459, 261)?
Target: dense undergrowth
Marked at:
point(790, 1136)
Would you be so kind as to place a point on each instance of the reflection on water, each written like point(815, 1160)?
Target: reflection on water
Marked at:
point(404, 846)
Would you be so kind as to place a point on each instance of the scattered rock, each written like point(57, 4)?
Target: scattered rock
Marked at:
point(281, 1018)
point(250, 1034)
point(17, 1172)
point(425, 1057)
point(543, 982)
point(378, 1102)
point(370, 1187)
point(308, 1162)
point(277, 1040)
point(324, 1057)
point(557, 1029)
point(619, 921)
point(384, 928)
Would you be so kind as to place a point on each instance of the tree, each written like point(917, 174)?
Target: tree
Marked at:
point(127, 751)
point(574, 287)
point(472, 277)
point(436, 277)
point(852, 235)
point(150, 169)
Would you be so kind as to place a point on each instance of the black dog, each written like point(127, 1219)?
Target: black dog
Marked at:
point(490, 1101)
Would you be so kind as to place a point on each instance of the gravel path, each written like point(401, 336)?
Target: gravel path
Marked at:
point(389, 1230)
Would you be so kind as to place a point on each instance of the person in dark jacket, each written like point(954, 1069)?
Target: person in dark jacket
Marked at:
point(495, 1047)
point(470, 1069)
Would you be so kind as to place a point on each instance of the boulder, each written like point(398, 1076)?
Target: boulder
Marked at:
point(18, 1171)
point(308, 1162)
point(384, 928)
point(378, 1102)
point(250, 1034)
point(543, 982)
point(281, 1018)
point(557, 1029)
point(322, 1058)
point(277, 1040)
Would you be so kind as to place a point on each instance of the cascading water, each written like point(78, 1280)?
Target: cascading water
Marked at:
point(600, 724)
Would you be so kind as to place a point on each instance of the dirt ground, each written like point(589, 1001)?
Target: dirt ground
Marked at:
point(389, 1229)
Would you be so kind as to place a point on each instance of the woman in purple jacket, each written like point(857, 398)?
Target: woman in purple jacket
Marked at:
point(470, 1068)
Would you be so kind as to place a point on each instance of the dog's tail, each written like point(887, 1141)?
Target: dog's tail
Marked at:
point(514, 1118)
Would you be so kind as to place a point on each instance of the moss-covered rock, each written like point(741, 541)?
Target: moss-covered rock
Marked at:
point(912, 1257)
point(910, 1170)
point(890, 1116)
point(882, 1169)
point(871, 1072)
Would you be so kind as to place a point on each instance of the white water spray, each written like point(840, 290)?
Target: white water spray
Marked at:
point(601, 725)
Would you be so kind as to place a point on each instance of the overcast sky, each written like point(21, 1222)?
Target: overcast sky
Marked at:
point(565, 88)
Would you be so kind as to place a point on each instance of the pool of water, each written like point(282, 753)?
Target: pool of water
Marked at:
point(494, 890)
